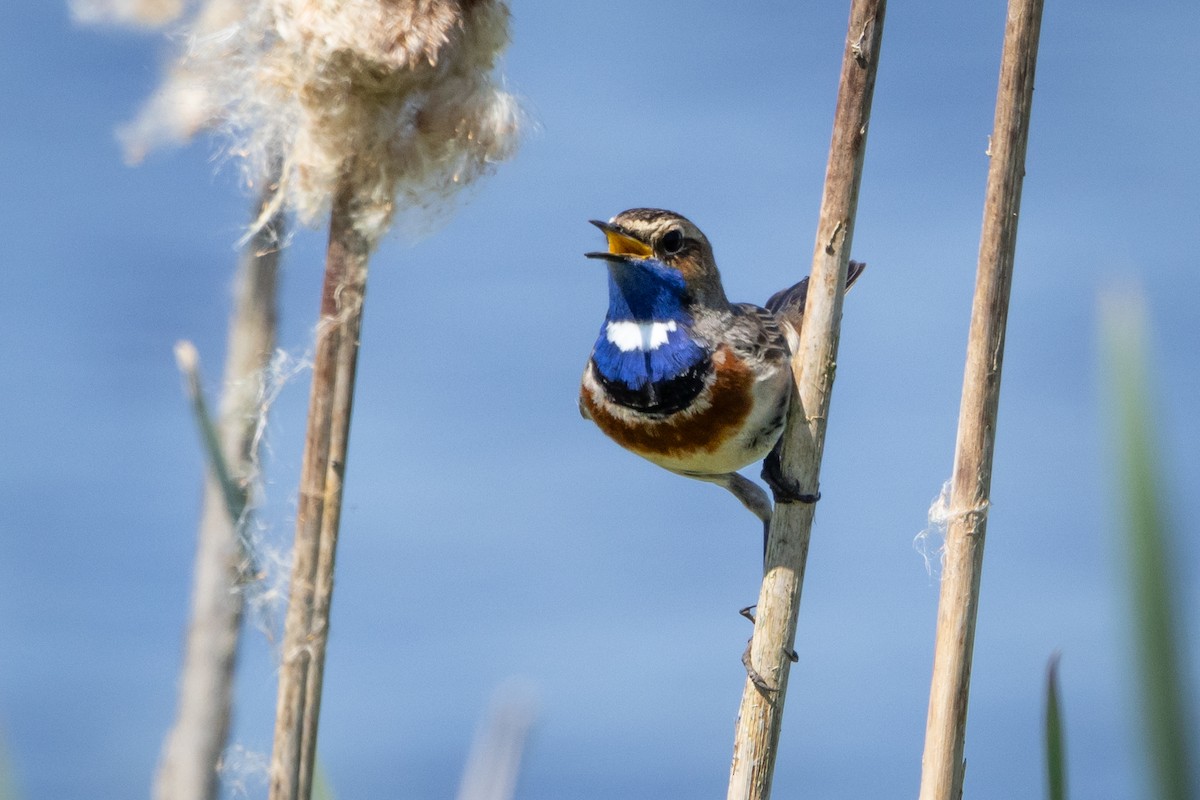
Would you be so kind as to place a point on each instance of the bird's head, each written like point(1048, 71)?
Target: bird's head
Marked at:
point(659, 262)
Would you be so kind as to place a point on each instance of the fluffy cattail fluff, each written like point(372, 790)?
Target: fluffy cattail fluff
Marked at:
point(190, 98)
point(142, 13)
point(396, 99)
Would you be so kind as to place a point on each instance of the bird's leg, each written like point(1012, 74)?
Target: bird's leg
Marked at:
point(748, 493)
point(784, 489)
point(754, 498)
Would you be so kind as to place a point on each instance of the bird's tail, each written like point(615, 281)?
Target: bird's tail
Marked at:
point(789, 303)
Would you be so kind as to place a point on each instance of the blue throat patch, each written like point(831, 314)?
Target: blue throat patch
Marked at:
point(647, 291)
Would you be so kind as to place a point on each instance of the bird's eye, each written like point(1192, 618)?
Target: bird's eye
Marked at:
point(672, 241)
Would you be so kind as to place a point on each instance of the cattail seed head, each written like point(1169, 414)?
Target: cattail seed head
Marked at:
point(398, 100)
point(395, 98)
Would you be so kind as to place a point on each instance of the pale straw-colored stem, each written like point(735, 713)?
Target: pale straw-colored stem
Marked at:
point(192, 750)
point(306, 628)
point(757, 732)
point(494, 762)
point(942, 763)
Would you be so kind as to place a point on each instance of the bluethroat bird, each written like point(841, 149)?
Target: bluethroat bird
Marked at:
point(681, 376)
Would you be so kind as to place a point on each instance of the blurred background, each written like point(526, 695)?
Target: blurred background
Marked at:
point(490, 534)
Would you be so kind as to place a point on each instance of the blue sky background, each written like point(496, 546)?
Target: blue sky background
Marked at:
point(492, 534)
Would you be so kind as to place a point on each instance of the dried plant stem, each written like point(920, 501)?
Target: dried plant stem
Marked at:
point(307, 626)
point(193, 747)
point(760, 716)
point(495, 759)
point(942, 763)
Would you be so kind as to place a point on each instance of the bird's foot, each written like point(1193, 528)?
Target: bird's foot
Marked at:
point(784, 489)
point(754, 675)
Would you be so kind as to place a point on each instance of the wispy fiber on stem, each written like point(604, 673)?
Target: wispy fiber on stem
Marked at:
point(942, 763)
point(756, 739)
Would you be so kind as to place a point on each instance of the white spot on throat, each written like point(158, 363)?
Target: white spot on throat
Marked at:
point(629, 335)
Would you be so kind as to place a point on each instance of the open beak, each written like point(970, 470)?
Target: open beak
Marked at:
point(621, 246)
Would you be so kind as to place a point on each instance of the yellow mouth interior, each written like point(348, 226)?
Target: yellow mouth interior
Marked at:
point(621, 245)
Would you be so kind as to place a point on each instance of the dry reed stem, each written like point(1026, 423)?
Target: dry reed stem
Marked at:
point(942, 763)
point(307, 625)
point(761, 713)
point(188, 770)
point(494, 763)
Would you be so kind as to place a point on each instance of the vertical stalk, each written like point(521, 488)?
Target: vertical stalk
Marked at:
point(1056, 752)
point(188, 770)
point(756, 739)
point(495, 759)
point(942, 763)
point(306, 628)
point(1148, 555)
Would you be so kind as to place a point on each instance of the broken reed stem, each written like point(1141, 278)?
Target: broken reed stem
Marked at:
point(756, 737)
point(942, 763)
point(193, 747)
point(320, 504)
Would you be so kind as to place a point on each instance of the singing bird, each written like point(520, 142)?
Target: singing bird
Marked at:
point(681, 376)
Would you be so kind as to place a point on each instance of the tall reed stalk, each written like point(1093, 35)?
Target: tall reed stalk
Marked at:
point(192, 751)
point(942, 763)
point(319, 515)
point(756, 738)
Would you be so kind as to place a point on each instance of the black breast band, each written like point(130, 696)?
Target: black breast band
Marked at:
point(660, 397)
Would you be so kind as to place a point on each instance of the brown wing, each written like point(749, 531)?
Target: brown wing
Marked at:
point(789, 303)
point(755, 333)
